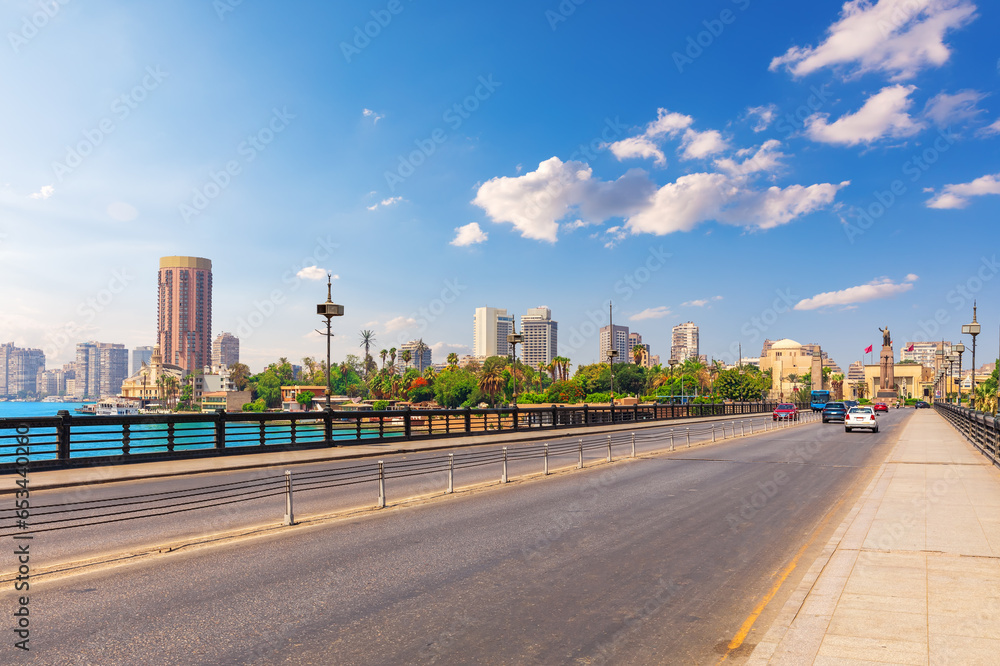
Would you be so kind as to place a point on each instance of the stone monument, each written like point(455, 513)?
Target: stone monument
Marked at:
point(887, 365)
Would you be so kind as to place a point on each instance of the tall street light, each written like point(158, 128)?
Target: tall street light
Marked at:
point(329, 310)
point(612, 352)
point(514, 339)
point(940, 357)
point(958, 347)
point(952, 358)
point(973, 330)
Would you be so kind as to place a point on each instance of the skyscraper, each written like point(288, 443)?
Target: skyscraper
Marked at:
point(184, 311)
point(684, 342)
point(19, 369)
point(225, 350)
point(614, 337)
point(101, 368)
point(140, 355)
point(489, 332)
point(541, 337)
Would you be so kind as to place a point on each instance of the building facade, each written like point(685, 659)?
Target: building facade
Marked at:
point(184, 311)
point(140, 355)
point(419, 359)
point(614, 337)
point(491, 327)
point(924, 353)
point(684, 342)
point(225, 350)
point(101, 368)
point(645, 358)
point(19, 370)
point(541, 337)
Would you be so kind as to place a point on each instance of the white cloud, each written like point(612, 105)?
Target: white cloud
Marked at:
point(314, 273)
point(399, 323)
point(898, 37)
point(991, 129)
point(658, 312)
point(440, 350)
point(391, 201)
point(668, 123)
point(368, 113)
point(470, 234)
point(637, 146)
point(957, 196)
point(44, 193)
point(874, 290)
point(944, 109)
point(701, 302)
point(536, 201)
point(762, 116)
point(884, 114)
point(123, 212)
point(767, 158)
point(697, 145)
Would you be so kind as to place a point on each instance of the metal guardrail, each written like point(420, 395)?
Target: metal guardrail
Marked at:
point(983, 430)
point(67, 441)
point(87, 513)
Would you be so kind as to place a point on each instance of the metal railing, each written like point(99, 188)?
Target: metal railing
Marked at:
point(983, 430)
point(66, 440)
point(87, 513)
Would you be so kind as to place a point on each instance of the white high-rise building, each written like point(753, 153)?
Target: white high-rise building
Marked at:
point(491, 327)
point(684, 342)
point(614, 337)
point(541, 337)
point(419, 359)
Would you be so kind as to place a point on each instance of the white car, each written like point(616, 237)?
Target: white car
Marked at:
point(860, 417)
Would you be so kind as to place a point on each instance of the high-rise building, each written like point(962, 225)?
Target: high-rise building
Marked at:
point(924, 353)
point(19, 369)
point(184, 311)
point(225, 350)
point(140, 355)
point(614, 337)
point(489, 332)
point(101, 368)
point(541, 337)
point(419, 358)
point(684, 342)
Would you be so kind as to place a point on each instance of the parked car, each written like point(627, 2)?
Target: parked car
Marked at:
point(786, 411)
point(880, 407)
point(920, 404)
point(860, 417)
point(834, 411)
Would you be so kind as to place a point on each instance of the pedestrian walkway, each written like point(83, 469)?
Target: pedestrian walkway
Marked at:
point(912, 576)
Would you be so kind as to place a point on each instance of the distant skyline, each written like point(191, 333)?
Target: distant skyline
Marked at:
point(811, 171)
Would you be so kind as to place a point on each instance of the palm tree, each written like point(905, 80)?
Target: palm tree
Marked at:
point(406, 355)
point(392, 359)
point(383, 354)
point(421, 348)
point(637, 354)
point(367, 340)
point(453, 360)
point(491, 382)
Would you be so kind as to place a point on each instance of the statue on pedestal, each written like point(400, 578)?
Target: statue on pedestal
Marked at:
point(886, 339)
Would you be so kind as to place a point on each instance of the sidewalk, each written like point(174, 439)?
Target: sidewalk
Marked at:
point(912, 576)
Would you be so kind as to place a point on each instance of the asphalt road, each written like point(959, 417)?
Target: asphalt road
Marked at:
point(648, 561)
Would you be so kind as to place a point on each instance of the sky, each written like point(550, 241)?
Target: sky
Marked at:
point(812, 171)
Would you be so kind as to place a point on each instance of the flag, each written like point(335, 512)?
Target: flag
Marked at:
point(910, 348)
point(868, 349)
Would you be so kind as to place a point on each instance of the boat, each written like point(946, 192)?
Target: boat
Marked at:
point(116, 407)
point(86, 410)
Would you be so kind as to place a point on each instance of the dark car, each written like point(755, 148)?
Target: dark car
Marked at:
point(880, 407)
point(834, 411)
point(920, 404)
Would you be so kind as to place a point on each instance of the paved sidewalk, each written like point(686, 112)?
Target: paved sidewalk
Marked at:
point(912, 576)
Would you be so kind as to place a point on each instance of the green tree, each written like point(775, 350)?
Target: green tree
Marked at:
point(452, 360)
point(452, 389)
point(240, 375)
point(406, 356)
point(367, 340)
point(491, 381)
point(562, 391)
point(305, 400)
point(748, 385)
point(269, 388)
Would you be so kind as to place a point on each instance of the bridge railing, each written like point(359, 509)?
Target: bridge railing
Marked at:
point(66, 440)
point(981, 429)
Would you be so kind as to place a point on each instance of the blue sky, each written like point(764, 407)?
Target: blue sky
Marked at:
point(766, 170)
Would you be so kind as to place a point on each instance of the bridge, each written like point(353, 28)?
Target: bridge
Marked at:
point(690, 540)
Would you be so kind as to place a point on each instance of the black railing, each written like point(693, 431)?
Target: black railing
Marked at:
point(67, 441)
point(983, 430)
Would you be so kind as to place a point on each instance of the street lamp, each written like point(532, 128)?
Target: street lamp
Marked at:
point(329, 310)
point(673, 364)
point(952, 357)
point(514, 339)
point(973, 330)
point(959, 348)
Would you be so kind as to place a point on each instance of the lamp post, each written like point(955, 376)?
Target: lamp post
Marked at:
point(329, 310)
point(973, 330)
point(940, 358)
point(673, 364)
point(952, 357)
point(959, 348)
point(514, 339)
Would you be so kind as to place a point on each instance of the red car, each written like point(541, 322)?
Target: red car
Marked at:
point(880, 407)
point(785, 412)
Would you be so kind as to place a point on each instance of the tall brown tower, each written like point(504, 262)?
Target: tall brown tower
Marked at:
point(184, 312)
